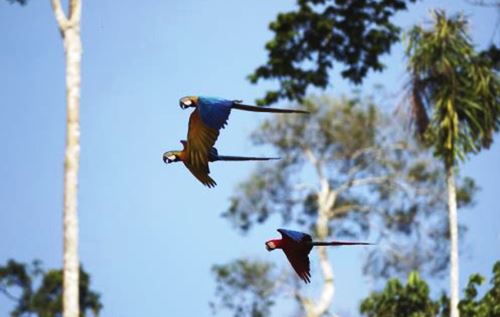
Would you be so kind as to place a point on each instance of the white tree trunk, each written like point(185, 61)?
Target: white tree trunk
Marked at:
point(70, 31)
point(453, 220)
point(326, 201)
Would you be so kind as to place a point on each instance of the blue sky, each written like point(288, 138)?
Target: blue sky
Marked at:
point(150, 233)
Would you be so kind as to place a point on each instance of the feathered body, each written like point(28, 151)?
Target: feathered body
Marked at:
point(297, 246)
point(213, 156)
point(206, 121)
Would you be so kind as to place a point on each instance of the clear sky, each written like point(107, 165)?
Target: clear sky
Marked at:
point(150, 233)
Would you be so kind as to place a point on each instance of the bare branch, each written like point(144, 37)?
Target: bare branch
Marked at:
point(75, 12)
point(376, 151)
point(304, 186)
point(339, 211)
point(362, 181)
point(61, 19)
point(8, 294)
point(315, 162)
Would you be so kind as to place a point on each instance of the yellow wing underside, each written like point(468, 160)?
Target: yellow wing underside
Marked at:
point(200, 140)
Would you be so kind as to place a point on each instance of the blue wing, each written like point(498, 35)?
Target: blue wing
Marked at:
point(214, 111)
point(295, 235)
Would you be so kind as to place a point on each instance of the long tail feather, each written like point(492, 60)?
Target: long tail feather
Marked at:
point(265, 109)
point(340, 243)
point(243, 158)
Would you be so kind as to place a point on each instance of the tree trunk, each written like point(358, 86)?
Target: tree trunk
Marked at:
point(327, 293)
point(453, 221)
point(326, 201)
point(70, 31)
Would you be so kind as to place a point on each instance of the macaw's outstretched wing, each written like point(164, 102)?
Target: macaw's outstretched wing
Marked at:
point(200, 141)
point(214, 112)
point(300, 263)
point(296, 236)
point(201, 173)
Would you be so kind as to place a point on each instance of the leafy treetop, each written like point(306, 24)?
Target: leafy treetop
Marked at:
point(318, 33)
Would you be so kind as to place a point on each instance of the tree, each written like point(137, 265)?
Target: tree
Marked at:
point(69, 27)
point(70, 31)
point(345, 169)
point(454, 98)
point(413, 300)
point(44, 300)
point(309, 40)
point(489, 304)
point(246, 287)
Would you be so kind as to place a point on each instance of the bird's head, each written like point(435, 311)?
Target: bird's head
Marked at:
point(270, 245)
point(171, 156)
point(188, 101)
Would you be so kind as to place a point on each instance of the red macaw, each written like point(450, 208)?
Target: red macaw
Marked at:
point(205, 122)
point(297, 246)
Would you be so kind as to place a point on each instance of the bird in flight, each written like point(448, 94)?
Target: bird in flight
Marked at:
point(297, 246)
point(206, 121)
point(213, 155)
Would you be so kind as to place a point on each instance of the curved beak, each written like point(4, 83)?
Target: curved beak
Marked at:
point(268, 247)
point(167, 160)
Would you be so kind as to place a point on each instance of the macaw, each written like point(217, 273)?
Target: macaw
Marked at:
point(297, 246)
point(210, 115)
point(213, 155)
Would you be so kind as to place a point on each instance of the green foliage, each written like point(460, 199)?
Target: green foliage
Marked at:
point(492, 56)
point(489, 304)
point(46, 299)
point(396, 300)
point(249, 288)
point(413, 299)
point(246, 287)
point(353, 144)
point(458, 84)
point(307, 42)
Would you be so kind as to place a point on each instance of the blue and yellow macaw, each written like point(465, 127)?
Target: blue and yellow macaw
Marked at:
point(297, 245)
point(202, 173)
point(206, 121)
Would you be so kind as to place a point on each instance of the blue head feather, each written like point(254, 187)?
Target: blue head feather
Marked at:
point(294, 235)
point(214, 111)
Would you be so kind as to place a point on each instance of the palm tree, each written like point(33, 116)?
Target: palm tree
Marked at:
point(70, 32)
point(454, 100)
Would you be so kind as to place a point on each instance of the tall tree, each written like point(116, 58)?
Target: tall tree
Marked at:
point(309, 40)
point(35, 291)
point(345, 169)
point(454, 96)
point(69, 26)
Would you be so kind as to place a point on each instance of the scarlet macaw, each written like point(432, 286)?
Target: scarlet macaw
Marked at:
point(297, 246)
point(213, 155)
point(205, 122)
